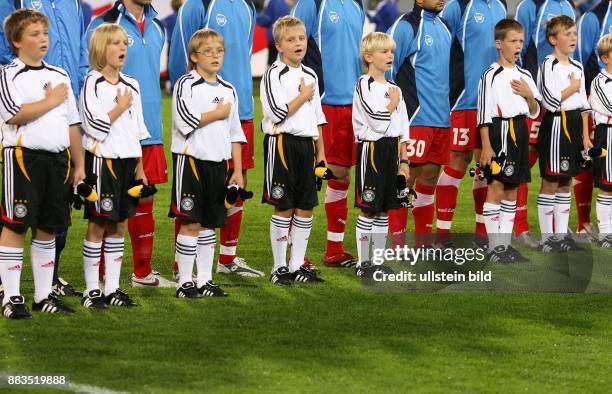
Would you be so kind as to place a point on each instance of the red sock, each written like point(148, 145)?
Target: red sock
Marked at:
point(336, 210)
point(397, 226)
point(423, 213)
point(230, 233)
point(101, 267)
point(142, 230)
point(520, 218)
point(583, 193)
point(479, 191)
point(446, 200)
point(177, 230)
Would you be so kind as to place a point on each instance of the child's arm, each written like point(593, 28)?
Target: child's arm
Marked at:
point(485, 103)
point(524, 89)
point(551, 95)
point(124, 101)
point(321, 121)
point(54, 96)
point(76, 154)
point(586, 140)
point(236, 178)
point(320, 148)
point(185, 118)
point(139, 173)
point(306, 94)
point(238, 138)
point(404, 138)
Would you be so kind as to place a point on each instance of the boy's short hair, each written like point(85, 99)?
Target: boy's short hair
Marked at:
point(100, 39)
point(16, 23)
point(197, 40)
point(557, 24)
point(604, 45)
point(282, 24)
point(376, 41)
point(504, 26)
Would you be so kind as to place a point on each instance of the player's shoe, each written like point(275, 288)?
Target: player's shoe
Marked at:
point(281, 277)
point(342, 260)
point(606, 242)
point(367, 270)
point(591, 230)
point(62, 288)
point(16, 308)
point(515, 255)
point(306, 275)
point(527, 239)
point(481, 242)
point(119, 298)
point(211, 289)
point(52, 304)
point(187, 290)
point(568, 244)
point(94, 300)
point(551, 245)
point(499, 254)
point(308, 264)
point(238, 267)
point(154, 279)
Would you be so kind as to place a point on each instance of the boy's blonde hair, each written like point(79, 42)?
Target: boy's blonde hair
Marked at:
point(373, 42)
point(16, 23)
point(604, 46)
point(100, 40)
point(282, 24)
point(198, 39)
point(557, 24)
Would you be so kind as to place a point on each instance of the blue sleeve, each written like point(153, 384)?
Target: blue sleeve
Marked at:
point(266, 17)
point(526, 15)
point(307, 12)
point(402, 33)
point(83, 53)
point(84, 58)
point(6, 54)
point(588, 33)
point(452, 14)
point(191, 17)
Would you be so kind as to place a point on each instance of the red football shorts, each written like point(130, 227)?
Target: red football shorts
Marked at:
point(429, 145)
point(338, 135)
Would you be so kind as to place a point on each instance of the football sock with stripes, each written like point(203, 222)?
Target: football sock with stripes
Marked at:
point(300, 232)
point(583, 194)
point(490, 213)
point(336, 210)
point(479, 191)
point(520, 220)
point(446, 200)
point(92, 252)
point(230, 233)
point(279, 234)
point(603, 207)
point(142, 232)
point(423, 213)
point(363, 234)
point(507, 214)
point(563, 202)
point(546, 208)
point(205, 255)
point(184, 256)
point(11, 261)
point(380, 228)
point(113, 256)
point(397, 226)
point(42, 258)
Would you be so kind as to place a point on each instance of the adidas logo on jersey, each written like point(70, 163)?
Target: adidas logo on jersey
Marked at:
point(215, 100)
point(387, 95)
point(45, 86)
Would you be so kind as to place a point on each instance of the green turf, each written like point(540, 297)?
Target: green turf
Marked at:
point(334, 338)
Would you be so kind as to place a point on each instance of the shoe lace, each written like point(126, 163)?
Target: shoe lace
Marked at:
point(240, 262)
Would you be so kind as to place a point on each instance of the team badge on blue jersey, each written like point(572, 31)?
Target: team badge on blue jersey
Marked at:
point(221, 19)
point(334, 16)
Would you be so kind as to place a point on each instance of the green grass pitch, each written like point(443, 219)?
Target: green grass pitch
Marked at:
point(334, 338)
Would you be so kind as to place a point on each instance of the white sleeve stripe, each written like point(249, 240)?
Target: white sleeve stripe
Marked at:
point(281, 113)
point(181, 107)
point(601, 95)
point(380, 115)
point(97, 124)
point(546, 94)
point(482, 98)
point(5, 97)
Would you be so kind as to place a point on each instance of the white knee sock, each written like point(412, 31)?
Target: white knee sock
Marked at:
point(506, 221)
point(279, 232)
point(92, 252)
point(563, 204)
point(380, 228)
point(546, 210)
point(205, 255)
point(490, 212)
point(42, 258)
point(113, 257)
point(11, 262)
point(363, 234)
point(300, 232)
point(185, 256)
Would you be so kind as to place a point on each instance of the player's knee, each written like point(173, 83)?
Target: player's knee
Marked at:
point(190, 228)
point(283, 213)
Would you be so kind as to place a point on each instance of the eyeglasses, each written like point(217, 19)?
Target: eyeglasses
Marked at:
point(210, 52)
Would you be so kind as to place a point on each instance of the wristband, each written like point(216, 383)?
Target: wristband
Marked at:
point(404, 161)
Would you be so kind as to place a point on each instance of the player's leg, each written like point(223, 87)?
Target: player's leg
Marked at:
point(424, 209)
point(339, 146)
point(228, 262)
point(92, 254)
point(603, 181)
point(114, 243)
point(11, 263)
point(141, 226)
point(583, 194)
point(491, 213)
